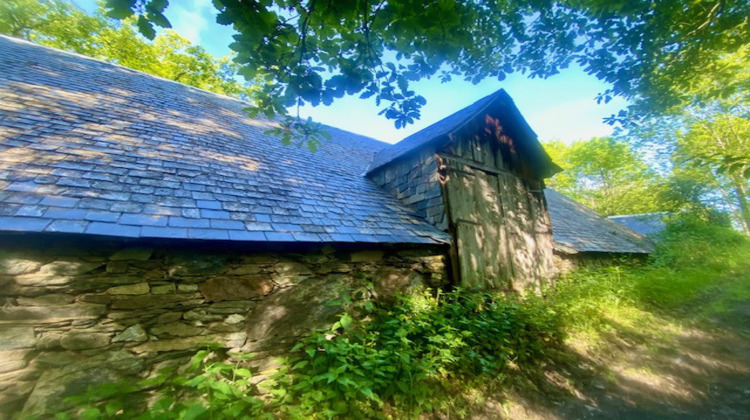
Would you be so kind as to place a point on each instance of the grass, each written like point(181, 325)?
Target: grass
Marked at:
point(697, 272)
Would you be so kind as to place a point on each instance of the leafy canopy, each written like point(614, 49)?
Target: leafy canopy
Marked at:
point(315, 51)
point(705, 141)
point(606, 176)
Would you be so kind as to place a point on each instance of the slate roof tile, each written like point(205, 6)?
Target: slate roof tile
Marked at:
point(216, 234)
point(163, 232)
point(102, 216)
point(67, 226)
point(143, 220)
point(64, 213)
point(27, 224)
point(242, 235)
point(113, 229)
point(30, 210)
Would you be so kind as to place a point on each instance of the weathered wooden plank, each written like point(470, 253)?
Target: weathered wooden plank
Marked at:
point(500, 223)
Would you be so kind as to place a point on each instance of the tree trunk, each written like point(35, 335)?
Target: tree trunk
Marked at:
point(740, 189)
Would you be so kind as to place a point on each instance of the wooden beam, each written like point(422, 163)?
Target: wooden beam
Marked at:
point(475, 165)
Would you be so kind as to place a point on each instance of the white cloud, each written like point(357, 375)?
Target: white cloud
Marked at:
point(190, 19)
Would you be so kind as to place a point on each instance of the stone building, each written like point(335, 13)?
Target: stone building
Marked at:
point(141, 219)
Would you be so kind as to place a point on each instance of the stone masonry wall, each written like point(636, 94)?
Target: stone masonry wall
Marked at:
point(415, 181)
point(75, 311)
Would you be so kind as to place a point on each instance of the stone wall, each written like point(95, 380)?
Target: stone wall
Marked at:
point(77, 311)
point(415, 181)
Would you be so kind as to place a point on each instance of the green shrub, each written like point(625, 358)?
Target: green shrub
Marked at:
point(407, 350)
point(206, 388)
point(692, 259)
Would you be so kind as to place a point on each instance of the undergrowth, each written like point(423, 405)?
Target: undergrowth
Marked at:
point(398, 360)
point(694, 270)
point(424, 352)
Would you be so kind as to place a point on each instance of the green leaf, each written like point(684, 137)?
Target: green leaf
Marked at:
point(194, 411)
point(91, 414)
point(146, 28)
point(113, 407)
point(300, 364)
point(158, 5)
point(159, 19)
point(119, 9)
point(243, 372)
point(346, 320)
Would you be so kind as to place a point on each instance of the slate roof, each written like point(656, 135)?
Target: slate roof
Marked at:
point(576, 228)
point(94, 148)
point(645, 224)
point(500, 104)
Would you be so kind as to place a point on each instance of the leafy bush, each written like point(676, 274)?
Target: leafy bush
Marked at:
point(407, 350)
point(692, 259)
point(206, 388)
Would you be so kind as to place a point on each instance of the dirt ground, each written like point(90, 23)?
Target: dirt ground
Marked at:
point(700, 372)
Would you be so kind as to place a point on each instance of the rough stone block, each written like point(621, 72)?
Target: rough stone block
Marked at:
point(20, 337)
point(176, 329)
point(163, 289)
point(57, 273)
point(117, 267)
point(292, 267)
point(174, 344)
point(50, 314)
point(291, 312)
point(191, 265)
point(84, 340)
point(202, 315)
point(234, 319)
point(14, 266)
point(260, 259)
point(218, 289)
point(168, 317)
point(134, 333)
point(134, 254)
point(49, 340)
point(148, 301)
point(390, 280)
point(45, 300)
point(245, 269)
point(12, 396)
point(231, 307)
point(47, 395)
point(224, 328)
point(131, 289)
point(366, 256)
point(187, 288)
point(96, 298)
point(12, 360)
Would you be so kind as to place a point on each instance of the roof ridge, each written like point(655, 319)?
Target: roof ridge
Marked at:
point(488, 99)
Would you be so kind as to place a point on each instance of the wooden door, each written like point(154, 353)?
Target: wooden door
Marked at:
point(478, 218)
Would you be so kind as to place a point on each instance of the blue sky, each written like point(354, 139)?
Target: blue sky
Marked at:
point(562, 107)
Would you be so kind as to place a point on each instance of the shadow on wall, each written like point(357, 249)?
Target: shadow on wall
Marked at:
point(80, 311)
